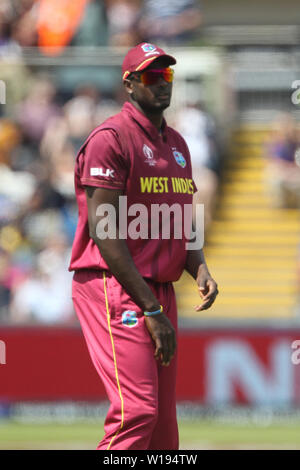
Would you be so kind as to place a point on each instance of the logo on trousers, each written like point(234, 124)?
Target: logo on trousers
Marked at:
point(129, 318)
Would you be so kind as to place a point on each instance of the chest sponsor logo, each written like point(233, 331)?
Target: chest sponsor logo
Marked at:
point(129, 318)
point(179, 158)
point(149, 49)
point(100, 172)
point(148, 152)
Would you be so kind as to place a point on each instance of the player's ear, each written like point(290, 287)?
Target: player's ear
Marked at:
point(128, 86)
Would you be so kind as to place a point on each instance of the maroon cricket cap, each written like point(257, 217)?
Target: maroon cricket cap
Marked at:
point(141, 56)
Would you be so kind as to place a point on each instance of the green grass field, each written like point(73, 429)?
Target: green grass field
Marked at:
point(202, 434)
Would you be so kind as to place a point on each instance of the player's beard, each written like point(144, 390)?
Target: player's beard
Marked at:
point(153, 108)
point(156, 109)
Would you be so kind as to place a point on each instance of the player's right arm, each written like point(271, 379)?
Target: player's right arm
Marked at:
point(119, 260)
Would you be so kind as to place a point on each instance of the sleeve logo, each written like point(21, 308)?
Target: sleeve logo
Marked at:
point(100, 172)
point(179, 158)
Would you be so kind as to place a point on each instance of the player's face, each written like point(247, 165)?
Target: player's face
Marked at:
point(152, 98)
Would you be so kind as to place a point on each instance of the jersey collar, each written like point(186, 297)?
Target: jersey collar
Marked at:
point(144, 122)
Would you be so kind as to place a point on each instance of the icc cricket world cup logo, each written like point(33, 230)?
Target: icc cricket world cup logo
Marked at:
point(149, 155)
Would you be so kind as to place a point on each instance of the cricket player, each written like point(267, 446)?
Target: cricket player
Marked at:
point(122, 286)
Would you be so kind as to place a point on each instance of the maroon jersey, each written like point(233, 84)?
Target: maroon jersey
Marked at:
point(127, 152)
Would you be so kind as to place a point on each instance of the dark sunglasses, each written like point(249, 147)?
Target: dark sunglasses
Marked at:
point(152, 76)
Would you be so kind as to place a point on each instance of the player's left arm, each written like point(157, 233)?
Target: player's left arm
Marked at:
point(196, 266)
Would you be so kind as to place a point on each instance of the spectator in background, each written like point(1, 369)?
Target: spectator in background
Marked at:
point(16, 187)
point(15, 264)
point(51, 24)
point(5, 264)
point(282, 171)
point(122, 17)
point(45, 297)
point(36, 111)
point(6, 15)
point(17, 25)
point(67, 22)
point(173, 22)
point(199, 130)
point(34, 115)
point(24, 28)
point(13, 71)
point(65, 135)
point(92, 30)
point(79, 113)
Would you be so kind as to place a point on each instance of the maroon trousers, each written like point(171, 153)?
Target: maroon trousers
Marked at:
point(142, 413)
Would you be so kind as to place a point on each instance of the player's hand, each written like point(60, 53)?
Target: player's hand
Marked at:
point(164, 337)
point(208, 289)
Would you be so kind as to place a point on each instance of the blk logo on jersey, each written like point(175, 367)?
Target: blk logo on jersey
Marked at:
point(129, 318)
point(100, 172)
point(179, 158)
point(149, 155)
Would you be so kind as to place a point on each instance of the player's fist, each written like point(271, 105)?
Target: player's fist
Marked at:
point(164, 337)
point(208, 289)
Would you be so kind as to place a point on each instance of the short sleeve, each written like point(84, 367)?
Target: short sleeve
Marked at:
point(104, 164)
point(195, 189)
point(186, 151)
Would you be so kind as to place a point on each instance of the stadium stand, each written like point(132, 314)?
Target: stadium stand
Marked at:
point(251, 247)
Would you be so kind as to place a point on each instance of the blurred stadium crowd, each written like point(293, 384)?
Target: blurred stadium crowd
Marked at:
point(41, 129)
point(60, 23)
point(283, 168)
